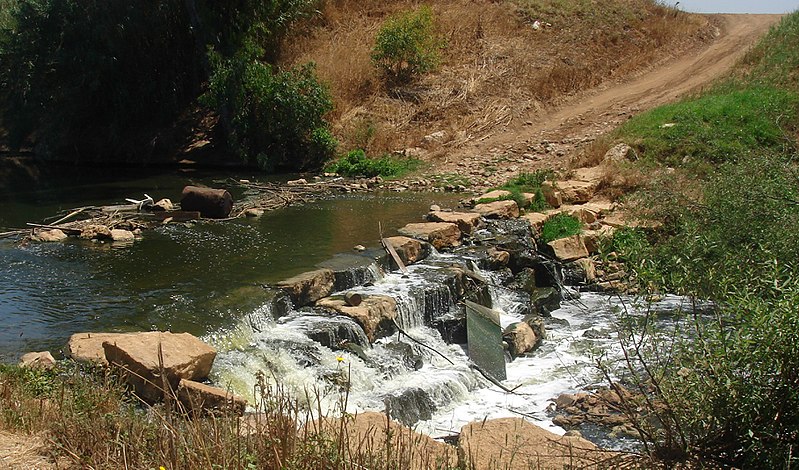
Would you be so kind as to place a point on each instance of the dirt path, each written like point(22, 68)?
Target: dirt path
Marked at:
point(545, 140)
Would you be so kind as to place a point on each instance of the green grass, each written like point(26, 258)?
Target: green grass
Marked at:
point(725, 125)
point(357, 164)
point(560, 226)
point(525, 183)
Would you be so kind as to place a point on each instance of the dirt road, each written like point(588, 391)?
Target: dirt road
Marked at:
point(548, 138)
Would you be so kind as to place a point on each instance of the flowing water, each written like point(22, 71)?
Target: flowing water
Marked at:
point(208, 279)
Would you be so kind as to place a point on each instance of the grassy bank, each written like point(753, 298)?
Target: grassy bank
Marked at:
point(721, 175)
point(88, 419)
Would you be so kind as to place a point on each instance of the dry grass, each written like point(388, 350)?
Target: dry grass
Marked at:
point(496, 69)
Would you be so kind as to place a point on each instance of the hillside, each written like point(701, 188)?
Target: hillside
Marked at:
point(500, 78)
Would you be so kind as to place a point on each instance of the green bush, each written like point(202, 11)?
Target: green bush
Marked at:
point(275, 116)
point(560, 226)
point(356, 163)
point(406, 45)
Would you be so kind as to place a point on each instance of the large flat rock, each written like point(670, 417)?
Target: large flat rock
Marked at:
point(515, 444)
point(466, 221)
point(152, 358)
point(498, 210)
point(88, 347)
point(371, 434)
point(375, 314)
point(569, 249)
point(439, 234)
point(308, 287)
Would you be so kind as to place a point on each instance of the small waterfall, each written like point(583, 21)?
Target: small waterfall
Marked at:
point(320, 354)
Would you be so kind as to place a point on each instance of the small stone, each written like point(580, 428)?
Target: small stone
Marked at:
point(435, 208)
point(122, 236)
point(359, 248)
point(297, 182)
point(163, 205)
point(254, 212)
point(54, 235)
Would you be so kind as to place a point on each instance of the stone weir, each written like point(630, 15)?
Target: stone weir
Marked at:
point(397, 309)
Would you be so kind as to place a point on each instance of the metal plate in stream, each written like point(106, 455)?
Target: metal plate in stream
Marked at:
point(484, 334)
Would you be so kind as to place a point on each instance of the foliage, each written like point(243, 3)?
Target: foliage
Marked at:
point(100, 80)
point(529, 183)
point(89, 78)
point(560, 226)
point(724, 392)
point(406, 45)
point(356, 163)
point(276, 116)
point(726, 125)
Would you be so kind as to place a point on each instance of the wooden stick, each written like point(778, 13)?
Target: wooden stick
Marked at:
point(73, 231)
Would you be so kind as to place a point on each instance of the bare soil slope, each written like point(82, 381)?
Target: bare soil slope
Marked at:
point(508, 97)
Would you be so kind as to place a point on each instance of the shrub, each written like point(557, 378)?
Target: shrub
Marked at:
point(560, 226)
point(406, 45)
point(275, 116)
point(356, 163)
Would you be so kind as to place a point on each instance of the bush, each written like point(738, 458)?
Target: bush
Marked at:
point(560, 226)
point(356, 163)
point(406, 45)
point(275, 116)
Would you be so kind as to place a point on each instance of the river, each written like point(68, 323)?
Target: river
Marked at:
point(208, 279)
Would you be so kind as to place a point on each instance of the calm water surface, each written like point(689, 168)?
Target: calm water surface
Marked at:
point(195, 278)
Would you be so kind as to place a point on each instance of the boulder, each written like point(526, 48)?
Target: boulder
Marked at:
point(593, 238)
point(466, 221)
point(619, 153)
point(43, 360)
point(569, 249)
point(498, 210)
point(576, 192)
point(536, 219)
point(308, 287)
point(95, 232)
point(209, 202)
point(551, 194)
point(182, 356)
point(122, 236)
point(376, 314)
point(409, 250)
point(520, 338)
point(369, 434)
point(439, 234)
point(88, 347)
point(54, 235)
point(515, 444)
point(493, 195)
point(197, 397)
point(497, 259)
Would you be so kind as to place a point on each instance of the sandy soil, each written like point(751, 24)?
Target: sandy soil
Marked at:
point(547, 139)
